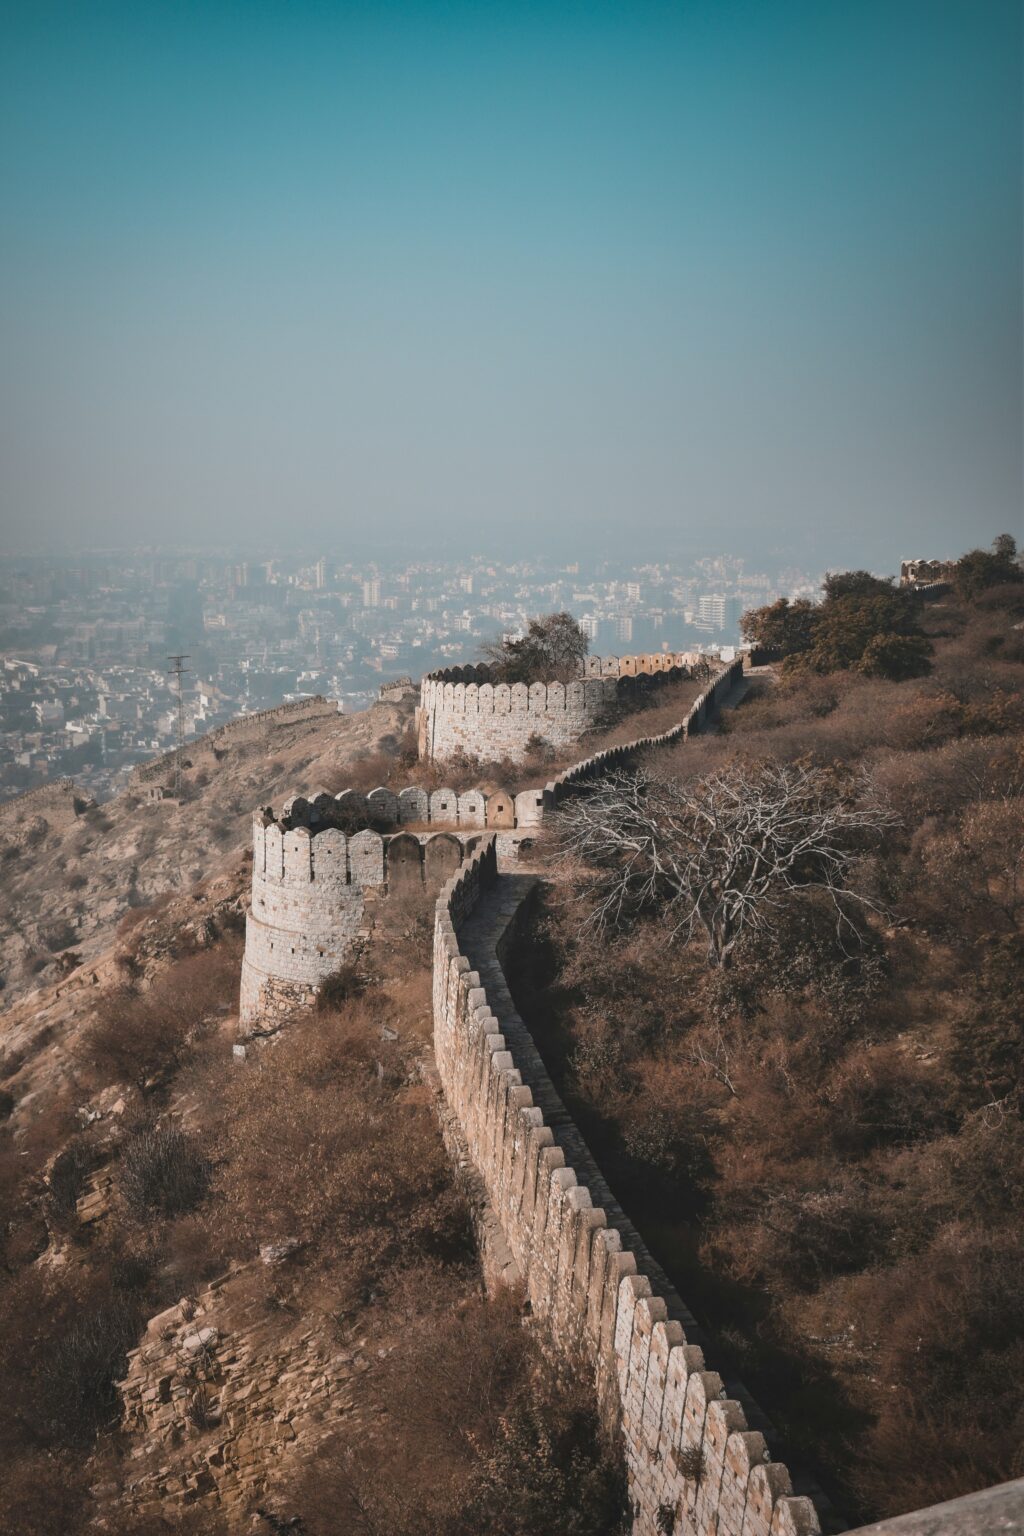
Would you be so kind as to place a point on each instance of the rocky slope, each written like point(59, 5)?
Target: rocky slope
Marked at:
point(69, 879)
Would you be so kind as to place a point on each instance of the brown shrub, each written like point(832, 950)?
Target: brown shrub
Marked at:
point(65, 1342)
point(68, 1175)
point(144, 1037)
point(321, 1138)
point(954, 1344)
point(44, 1492)
point(483, 1439)
point(162, 1172)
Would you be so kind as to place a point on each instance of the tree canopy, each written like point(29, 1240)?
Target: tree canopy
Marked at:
point(717, 855)
point(863, 623)
point(980, 569)
point(550, 651)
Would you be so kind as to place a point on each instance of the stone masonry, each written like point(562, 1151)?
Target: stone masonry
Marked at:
point(696, 1460)
point(463, 710)
point(313, 871)
point(697, 1456)
point(214, 1402)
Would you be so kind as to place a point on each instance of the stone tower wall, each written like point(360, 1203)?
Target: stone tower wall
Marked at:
point(312, 868)
point(463, 710)
point(305, 913)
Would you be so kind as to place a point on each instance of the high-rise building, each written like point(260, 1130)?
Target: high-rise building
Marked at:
point(371, 593)
point(633, 591)
point(717, 613)
point(321, 572)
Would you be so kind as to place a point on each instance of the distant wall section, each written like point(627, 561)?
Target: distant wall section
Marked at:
point(59, 802)
point(246, 728)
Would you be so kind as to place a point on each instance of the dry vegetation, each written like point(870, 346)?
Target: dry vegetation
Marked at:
point(823, 1140)
point(326, 1136)
point(65, 887)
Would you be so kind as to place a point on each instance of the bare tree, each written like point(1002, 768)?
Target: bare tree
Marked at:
point(719, 855)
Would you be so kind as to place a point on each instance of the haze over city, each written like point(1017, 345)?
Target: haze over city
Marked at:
point(651, 280)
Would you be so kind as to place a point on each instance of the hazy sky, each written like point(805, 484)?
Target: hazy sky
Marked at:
point(537, 277)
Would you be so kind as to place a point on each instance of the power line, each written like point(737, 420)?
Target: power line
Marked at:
point(177, 671)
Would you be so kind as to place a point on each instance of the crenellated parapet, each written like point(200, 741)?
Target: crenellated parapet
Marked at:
point(60, 799)
point(318, 862)
point(463, 710)
point(314, 869)
point(694, 1443)
point(252, 727)
point(383, 808)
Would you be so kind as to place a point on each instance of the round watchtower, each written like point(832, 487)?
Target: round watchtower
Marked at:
point(463, 710)
point(306, 912)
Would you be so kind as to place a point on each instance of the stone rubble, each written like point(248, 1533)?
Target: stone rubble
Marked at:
point(221, 1389)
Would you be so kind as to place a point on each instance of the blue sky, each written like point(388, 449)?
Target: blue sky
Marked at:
point(657, 278)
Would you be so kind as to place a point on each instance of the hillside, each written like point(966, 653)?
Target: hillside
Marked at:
point(818, 1131)
point(209, 1260)
point(242, 1284)
point(68, 880)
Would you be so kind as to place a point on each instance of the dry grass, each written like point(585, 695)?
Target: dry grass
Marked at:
point(824, 1144)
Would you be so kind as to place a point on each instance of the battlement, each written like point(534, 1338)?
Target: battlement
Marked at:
point(589, 666)
point(326, 858)
point(463, 710)
point(925, 573)
point(383, 808)
point(397, 689)
point(695, 1448)
point(61, 797)
point(313, 871)
point(245, 728)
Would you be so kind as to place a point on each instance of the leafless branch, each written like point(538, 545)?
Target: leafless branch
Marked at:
point(720, 854)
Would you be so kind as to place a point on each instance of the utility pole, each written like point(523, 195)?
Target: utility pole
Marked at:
point(177, 671)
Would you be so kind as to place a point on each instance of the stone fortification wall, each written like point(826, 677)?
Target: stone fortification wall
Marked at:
point(59, 801)
point(470, 809)
point(305, 914)
point(462, 710)
point(705, 705)
point(314, 864)
point(245, 728)
point(310, 885)
point(646, 663)
point(694, 1460)
point(926, 573)
point(695, 1448)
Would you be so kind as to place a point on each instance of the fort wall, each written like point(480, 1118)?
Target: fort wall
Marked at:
point(60, 802)
point(696, 1450)
point(311, 882)
point(926, 573)
point(313, 866)
point(697, 1460)
point(246, 728)
point(462, 709)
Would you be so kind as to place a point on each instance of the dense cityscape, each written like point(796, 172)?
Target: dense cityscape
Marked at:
point(87, 687)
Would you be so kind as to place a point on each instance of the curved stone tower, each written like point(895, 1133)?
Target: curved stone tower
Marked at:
point(306, 911)
point(462, 710)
